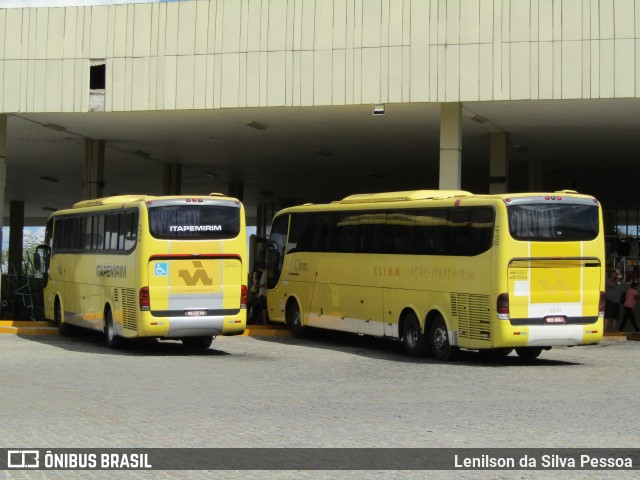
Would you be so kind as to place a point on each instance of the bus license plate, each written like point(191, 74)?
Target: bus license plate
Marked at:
point(195, 313)
point(556, 319)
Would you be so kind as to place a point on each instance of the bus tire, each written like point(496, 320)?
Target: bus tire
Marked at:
point(63, 327)
point(441, 348)
point(529, 353)
point(415, 343)
point(197, 343)
point(113, 341)
point(294, 318)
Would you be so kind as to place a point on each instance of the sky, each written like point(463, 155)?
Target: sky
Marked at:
point(70, 3)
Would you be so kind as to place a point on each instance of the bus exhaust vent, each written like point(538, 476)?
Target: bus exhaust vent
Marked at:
point(473, 313)
point(129, 309)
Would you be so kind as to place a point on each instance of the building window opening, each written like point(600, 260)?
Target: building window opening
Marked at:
point(97, 76)
point(97, 85)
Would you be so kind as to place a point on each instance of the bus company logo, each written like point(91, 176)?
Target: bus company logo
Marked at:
point(23, 459)
point(199, 275)
point(111, 271)
point(386, 271)
point(195, 228)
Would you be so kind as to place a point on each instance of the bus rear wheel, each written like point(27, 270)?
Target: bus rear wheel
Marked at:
point(197, 343)
point(529, 353)
point(113, 341)
point(413, 340)
point(441, 348)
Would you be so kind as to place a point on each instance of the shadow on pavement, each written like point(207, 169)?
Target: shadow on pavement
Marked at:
point(391, 350)
point(94, 342)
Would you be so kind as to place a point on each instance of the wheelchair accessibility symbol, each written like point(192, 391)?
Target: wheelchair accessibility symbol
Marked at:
point(161, 269)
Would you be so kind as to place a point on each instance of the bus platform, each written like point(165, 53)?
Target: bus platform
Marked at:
point(28, 327)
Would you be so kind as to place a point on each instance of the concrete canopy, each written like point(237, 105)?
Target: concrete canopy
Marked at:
point(317, 154)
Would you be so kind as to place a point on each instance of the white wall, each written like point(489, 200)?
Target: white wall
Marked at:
point(249, 53)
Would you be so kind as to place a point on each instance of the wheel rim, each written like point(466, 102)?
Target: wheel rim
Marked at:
point(412, 334)
point(440, 341)
point(110, 333)
point(297, 322)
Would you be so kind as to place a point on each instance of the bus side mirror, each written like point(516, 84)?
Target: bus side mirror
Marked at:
point(42, 252)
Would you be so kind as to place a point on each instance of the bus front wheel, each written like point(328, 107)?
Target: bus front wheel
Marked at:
point(441, 348)
point(529, 353)
point(113, 341)
point(295, 320)
point(414, 342)
point(63, 327)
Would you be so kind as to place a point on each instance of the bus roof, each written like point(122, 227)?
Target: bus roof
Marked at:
point(459, 197)
point(403, 196)
point(123, 199)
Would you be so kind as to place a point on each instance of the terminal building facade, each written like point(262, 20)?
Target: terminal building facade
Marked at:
point(541, 94)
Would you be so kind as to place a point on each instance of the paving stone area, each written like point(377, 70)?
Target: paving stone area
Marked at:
point(327, 391)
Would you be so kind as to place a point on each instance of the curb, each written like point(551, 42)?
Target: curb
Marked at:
point(26, 327)
point(266, 331)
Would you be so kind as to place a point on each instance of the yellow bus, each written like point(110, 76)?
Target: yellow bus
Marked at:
point(443, 270)
point(133, 266)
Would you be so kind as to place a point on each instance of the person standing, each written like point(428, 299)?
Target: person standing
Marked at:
point(629, 304)
point(262, 294)
point(612, 302)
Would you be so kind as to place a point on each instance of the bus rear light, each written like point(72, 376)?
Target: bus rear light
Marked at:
point(243, 296)
point(502, 306)
point(145, 304)
point(601, 304)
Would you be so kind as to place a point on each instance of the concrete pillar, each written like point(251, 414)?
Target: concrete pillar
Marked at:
point(261, 224)
point(536, 175)
point(172, 179)
point(450, 146)
point(3, 172)
point(236, 189)
point(16, 227)
point(93, 178)
point(498, 165)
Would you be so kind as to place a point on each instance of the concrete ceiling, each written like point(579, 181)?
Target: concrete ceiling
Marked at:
point(317, 154)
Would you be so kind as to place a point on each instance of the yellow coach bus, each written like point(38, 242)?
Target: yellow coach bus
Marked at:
point(142, 266)
point(443, 270)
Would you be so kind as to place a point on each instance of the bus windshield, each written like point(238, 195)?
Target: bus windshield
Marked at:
point(553, 222)
point(194, 222)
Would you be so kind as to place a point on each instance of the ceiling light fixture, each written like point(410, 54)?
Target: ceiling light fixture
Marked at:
point(210, 174)
point(50, 209)
point(256, 125)
point(324, 153)
point(475, 117)
point(53, 126)
point(47, 178)
point(142, 154)
point(520, 148)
